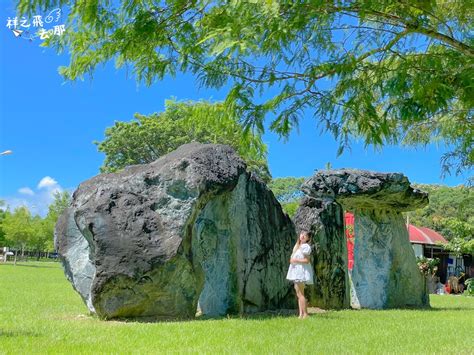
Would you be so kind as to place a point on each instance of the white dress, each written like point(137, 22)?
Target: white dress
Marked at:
point(301, 272)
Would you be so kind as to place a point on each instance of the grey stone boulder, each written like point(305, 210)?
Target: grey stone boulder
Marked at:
point(153, 240)
point(363, 189)
point(385, 274)
point(324, 219)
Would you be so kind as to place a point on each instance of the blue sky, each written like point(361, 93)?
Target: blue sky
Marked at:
point(50, 125)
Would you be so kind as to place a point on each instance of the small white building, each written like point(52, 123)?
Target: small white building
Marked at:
point(426, 242)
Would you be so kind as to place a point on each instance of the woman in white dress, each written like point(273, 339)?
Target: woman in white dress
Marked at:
point(301, 270)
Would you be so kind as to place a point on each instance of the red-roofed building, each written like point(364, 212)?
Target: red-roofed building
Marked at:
point(423, 235)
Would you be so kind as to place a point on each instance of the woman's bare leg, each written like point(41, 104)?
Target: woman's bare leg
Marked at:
point(304, 303)
point(305, 306)
point(301, 299)
point(298, 298)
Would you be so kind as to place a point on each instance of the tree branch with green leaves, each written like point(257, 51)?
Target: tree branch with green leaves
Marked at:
point(375, 70)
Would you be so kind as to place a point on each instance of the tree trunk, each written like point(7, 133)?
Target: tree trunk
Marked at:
point(23, 253)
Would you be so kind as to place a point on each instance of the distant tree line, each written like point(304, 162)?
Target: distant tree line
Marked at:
point(31, 234)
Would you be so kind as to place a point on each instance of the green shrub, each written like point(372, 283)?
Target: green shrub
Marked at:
point(469, 291)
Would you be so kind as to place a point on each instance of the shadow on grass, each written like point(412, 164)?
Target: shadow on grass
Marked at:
point(17, 333)
point(283, 313)
point(417, 309)
point(33, 266)
point(434, 309)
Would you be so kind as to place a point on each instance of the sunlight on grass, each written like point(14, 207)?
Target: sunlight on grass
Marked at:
point(41, 313)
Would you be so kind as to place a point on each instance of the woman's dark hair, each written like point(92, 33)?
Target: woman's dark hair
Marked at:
point(307, 234)
point(297, 244)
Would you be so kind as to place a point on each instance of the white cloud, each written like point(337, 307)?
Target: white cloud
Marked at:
point(36, 201)
point(26, 191)
point(47, 182)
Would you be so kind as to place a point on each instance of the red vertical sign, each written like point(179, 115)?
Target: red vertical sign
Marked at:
point(349, 226)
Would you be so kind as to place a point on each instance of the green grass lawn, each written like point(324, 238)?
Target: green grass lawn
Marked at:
point(41, 313)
